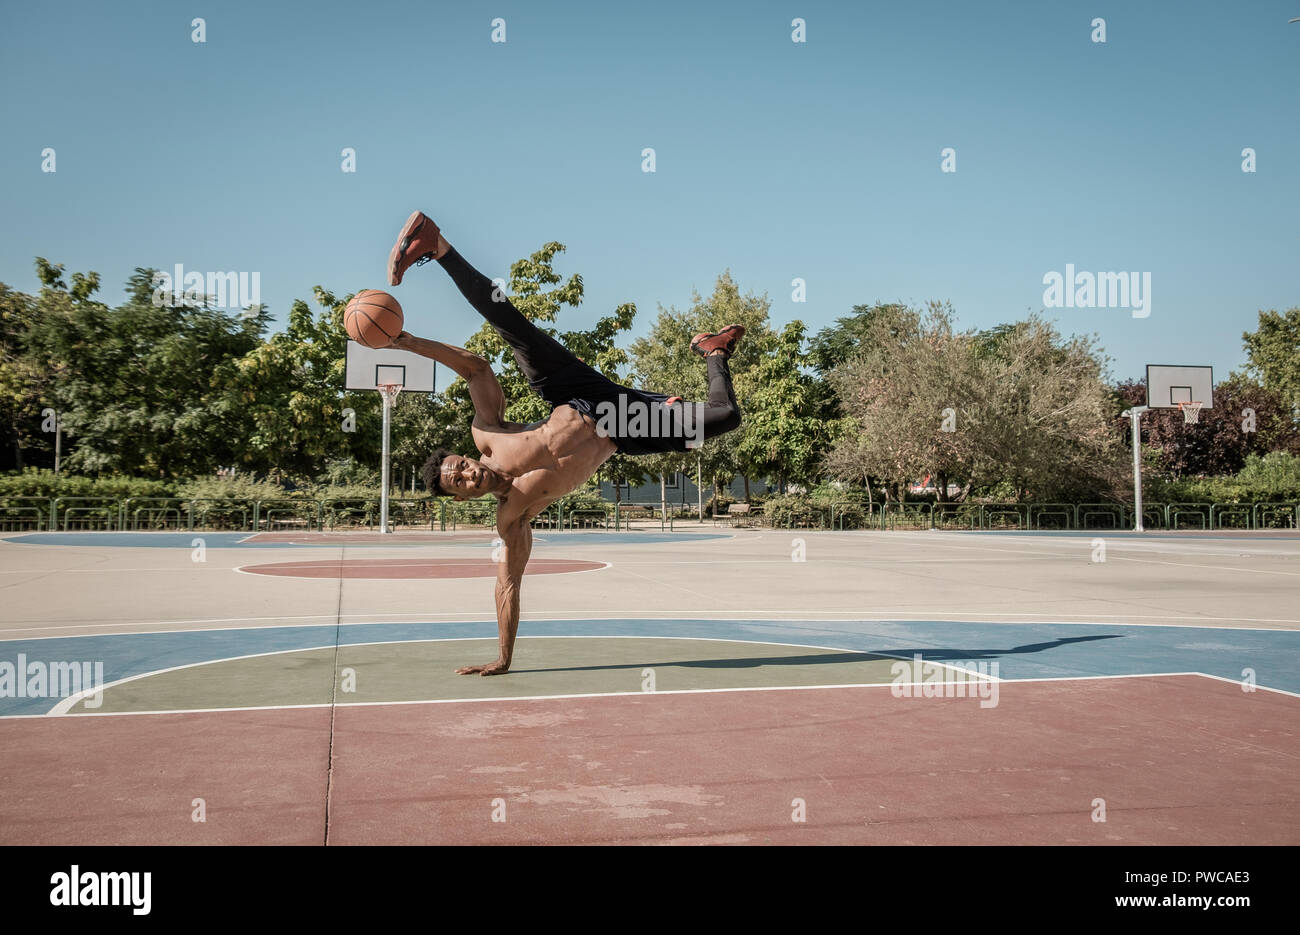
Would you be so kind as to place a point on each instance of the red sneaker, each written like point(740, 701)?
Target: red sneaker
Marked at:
point(725, 340)
point(415, 246)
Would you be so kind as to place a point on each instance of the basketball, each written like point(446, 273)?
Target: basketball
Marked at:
point(373, 318)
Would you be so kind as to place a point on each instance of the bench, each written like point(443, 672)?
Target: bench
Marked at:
point(550, 518)
point(628, 512)
point(588, 519)
point(737, 512)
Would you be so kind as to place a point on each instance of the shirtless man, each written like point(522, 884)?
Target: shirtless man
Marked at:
point(529, 467)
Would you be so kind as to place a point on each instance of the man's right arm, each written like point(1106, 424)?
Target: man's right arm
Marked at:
point(516, 546)
point(484, 388)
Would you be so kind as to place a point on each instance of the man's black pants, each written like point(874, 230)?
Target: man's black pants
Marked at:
point(638, 421)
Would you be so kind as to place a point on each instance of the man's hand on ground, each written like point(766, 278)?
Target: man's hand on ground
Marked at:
point(492, 668)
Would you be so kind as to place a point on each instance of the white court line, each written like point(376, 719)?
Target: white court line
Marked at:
point(680, 691)
point(1113, 545)
point(208, 566)
point(949, 539)
point(411, 563)
point(728, 615)
point(1232, 570)
point(66, 704)
point(548, 537)
point(1147, 675)
point(1222, 678)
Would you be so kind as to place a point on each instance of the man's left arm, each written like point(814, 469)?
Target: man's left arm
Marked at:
point(484, 388)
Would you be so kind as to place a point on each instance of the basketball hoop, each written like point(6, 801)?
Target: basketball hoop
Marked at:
point(389, 391)
point(1191, 412)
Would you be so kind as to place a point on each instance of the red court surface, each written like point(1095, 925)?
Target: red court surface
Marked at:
point(133, 780)
point(1179, 759)
point(414, 568)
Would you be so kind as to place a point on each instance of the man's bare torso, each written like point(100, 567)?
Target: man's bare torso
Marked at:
point(547, 459)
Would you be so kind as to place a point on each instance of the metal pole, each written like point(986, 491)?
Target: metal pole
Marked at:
point(58, 440)
point(699, 489)
point(383, 498)
point(1137, 472)
point(1135, 418)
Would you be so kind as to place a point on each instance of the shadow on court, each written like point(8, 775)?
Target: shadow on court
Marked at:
point(836, 658)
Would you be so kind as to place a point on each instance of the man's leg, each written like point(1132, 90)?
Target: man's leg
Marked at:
point(720, 414)
point(673, 425)
point(538, 354)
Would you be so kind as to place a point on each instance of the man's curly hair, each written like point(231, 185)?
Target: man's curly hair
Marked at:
point(432, 472)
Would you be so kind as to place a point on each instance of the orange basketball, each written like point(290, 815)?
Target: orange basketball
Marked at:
point(373, 318)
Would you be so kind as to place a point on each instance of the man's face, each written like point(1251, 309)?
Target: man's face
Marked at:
point(465, 477)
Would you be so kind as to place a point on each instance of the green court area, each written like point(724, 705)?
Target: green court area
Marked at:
point(425, 671)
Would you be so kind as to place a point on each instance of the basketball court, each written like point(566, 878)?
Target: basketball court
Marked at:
point(706, 685)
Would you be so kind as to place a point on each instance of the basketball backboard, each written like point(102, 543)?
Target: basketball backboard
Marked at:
point(367, 367)
point(1169, 385)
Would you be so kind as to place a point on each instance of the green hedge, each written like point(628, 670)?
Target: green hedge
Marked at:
point(44, 483)
point(796, 509)
point(1269, 479)
point(1275, 477)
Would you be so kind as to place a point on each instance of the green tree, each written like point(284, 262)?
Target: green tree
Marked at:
point(829, 349)
point(838, 343)
point(287, 396)
point(664, 363)
point(1016, 405)
point(909, 369)
point(623, 469)
point(785, 430)
point(421, 424)
point(20, 383)
point(1046, 416)
point(1273, 350)
point(137, 386)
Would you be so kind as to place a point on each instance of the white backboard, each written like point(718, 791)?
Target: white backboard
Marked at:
point(367, 367)
point(1169, 385)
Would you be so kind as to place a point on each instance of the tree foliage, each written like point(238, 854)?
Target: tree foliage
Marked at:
point(1273, 352)
point(166, 390)
point(1246, 420)
point(139, 388)
point(664, 363)
point(785, 432)
point(1015, 405)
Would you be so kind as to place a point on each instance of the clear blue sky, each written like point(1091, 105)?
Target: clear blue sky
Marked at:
point(775, 160)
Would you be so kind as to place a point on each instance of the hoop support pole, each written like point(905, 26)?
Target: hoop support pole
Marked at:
point(388, 393)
